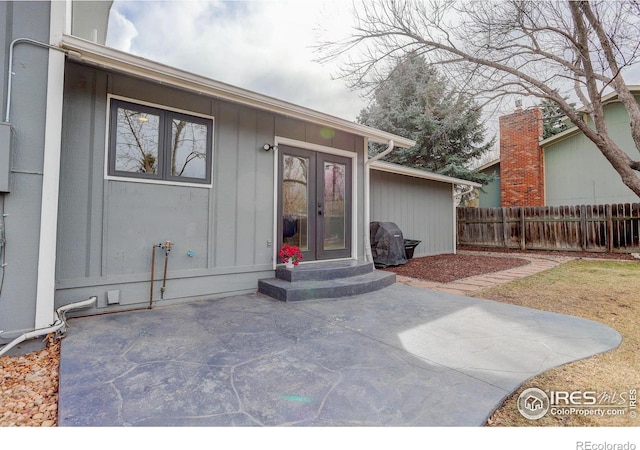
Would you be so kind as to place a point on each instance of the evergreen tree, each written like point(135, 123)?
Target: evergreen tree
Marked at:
point(553, 118)
point(414, 101)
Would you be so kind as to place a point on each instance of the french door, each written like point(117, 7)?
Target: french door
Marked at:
point(314, 203)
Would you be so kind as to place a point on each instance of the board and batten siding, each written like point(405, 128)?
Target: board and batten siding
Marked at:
point(22, 205)
point(107, 228)
point(576, 172)
point(423, 209)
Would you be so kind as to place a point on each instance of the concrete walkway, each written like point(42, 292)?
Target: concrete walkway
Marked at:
point(466, 286)
point(401, 356)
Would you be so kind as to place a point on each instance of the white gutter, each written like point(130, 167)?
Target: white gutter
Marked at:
point(454, 233)
point(94, 54)
point(463, 193)
point(368, 256)
point(455, 212)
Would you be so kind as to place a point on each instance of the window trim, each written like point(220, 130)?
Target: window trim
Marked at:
point(163, 173)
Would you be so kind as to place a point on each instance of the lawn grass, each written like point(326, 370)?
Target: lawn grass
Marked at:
point(604, 291)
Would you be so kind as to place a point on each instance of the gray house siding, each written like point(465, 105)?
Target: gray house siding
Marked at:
point(23, 202)
point(423, 210)
point(107, 227)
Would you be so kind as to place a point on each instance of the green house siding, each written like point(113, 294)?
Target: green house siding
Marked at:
point(489, 196)
point(577, 173)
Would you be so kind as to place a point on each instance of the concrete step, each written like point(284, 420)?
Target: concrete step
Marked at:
point(332, 288)
point(324, 270)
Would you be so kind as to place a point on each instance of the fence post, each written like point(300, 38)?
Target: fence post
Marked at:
point(609, 218)
point(505, 231)
point(523, 243)
point(583, 227)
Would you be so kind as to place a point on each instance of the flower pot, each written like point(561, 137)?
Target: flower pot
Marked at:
point(289, 264)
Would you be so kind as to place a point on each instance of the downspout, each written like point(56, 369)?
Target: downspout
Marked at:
point(455, 214)
point(454, 232)
point(367, 204)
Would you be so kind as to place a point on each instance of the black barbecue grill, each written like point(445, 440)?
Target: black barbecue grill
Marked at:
point(388, 246)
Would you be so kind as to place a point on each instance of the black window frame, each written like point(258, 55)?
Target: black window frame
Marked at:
point(163, 162)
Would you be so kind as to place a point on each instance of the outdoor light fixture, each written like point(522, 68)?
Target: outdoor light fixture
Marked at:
point(267, 147)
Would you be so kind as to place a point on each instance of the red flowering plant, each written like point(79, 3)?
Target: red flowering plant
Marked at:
point(291, 253)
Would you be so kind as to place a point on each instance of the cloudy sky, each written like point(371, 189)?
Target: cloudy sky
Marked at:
point(261, 45)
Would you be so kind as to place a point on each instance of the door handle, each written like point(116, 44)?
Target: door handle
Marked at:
point(319, 209)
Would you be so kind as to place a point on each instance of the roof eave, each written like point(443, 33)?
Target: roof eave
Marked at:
point(558, 137)
point(489, 164)
point(417, 173)
point(98, 55)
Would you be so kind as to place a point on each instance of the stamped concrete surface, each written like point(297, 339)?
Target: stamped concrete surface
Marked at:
point(402, 356)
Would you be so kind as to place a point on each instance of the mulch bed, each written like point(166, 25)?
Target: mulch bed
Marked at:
point(447, 268)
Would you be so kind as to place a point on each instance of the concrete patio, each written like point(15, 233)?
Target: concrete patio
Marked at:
point(402, 356)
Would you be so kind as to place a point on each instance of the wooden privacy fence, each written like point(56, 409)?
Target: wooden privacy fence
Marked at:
point(594, 228)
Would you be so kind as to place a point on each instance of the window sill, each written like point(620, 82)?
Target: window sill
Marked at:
point(161, 182)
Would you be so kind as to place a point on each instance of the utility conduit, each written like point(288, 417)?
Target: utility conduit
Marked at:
point(59, 326)
point(10, 71)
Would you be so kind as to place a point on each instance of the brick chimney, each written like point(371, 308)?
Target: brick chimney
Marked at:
point(521, 158)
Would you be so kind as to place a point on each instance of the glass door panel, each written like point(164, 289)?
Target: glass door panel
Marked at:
point(295, 201)
point(314, 203)
point(334, 206)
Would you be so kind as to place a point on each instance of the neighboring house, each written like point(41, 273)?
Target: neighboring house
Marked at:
point(489, 195)
point(565, 169)
point(105, 156)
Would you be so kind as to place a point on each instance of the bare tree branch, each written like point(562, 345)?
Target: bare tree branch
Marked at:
point(546, 50)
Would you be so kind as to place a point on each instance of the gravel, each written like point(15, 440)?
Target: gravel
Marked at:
point(29, 388)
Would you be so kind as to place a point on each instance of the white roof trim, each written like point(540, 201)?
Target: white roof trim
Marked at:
point(489, 164)
point(417, 173)
point(108, 58)
point(560, 136)
point(611, 97)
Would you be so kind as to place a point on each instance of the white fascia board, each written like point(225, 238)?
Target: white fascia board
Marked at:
point(108, 58)
point(560, 136)
point(417, 173)
point(611, 97)
point(487, 165)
